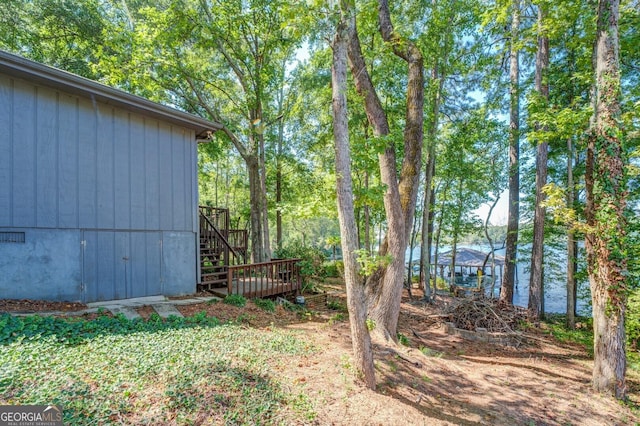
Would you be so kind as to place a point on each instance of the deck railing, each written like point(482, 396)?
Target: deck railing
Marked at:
point(218, 217)
point(218, 241)
point(214, 223)
point(264, 279)
point(239, 241)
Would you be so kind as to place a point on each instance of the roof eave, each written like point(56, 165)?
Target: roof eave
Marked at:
point(24, 68)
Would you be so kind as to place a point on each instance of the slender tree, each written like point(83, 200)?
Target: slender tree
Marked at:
point(508, 279)
point(360, 339)
point(384, 287)
point(436, 85)
point(605, 210)
point(536, 283)
point(572, 244)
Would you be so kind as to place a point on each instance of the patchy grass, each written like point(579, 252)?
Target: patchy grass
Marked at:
point(583, 334)
point(265, 304)
point(235, 300)
point(334, 305)
point(180, 371)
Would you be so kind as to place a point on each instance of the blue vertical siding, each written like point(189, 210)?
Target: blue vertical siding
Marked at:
point(152, 171)
point(24, 155)
point(195, 214)
point(46, 170)
point(138, 178)
point(105, 174)
point(166, 177)
point(75, 163)
point(122, 171)
point(107, 198)
point(68, 185)
point(87, 165)
point(179, 185)
point(6, 149)
point(45, 266)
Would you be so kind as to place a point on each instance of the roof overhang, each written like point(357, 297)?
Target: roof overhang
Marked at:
point(55, 78)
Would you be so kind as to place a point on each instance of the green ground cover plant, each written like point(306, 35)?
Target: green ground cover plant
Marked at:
point(583, 334)
point(235, 300)
point(182, 370)
point(265, 304)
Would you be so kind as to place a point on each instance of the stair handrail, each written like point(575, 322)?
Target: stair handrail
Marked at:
point(222, 238)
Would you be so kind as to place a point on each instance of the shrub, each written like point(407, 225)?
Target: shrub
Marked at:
point(235, 300)
point(336, 306)
point(330, 269)
point(311, 259)
point(632, 320)
point(340, 267)
point(403, 340)
point(265, 304)
point(441, 284)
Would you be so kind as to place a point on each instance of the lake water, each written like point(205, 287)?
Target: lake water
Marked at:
point(555, 299)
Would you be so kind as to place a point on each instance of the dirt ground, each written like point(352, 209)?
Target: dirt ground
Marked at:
point(437, 379)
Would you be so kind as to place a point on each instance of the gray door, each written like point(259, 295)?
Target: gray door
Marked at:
point(121, 264)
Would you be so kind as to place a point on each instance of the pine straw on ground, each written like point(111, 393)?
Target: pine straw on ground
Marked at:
point(34, 306)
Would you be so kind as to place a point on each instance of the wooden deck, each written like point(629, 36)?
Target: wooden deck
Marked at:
point(260, 280)
point(253, 288)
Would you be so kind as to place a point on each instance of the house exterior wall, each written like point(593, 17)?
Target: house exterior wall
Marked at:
point(93, 188)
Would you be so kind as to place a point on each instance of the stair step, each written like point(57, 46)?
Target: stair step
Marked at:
point(213, 283)
point(214, 275)
point(214, 270)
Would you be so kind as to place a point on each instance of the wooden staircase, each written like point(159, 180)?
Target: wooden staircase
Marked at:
point(220, 247)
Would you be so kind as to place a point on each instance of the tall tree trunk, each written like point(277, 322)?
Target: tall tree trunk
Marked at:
point(429, 193)
point(490, 240)
point(438, 74)
point(384, 287)
point(279, 153)
point(452, 266)
point(536, 282)
point(278, 202)
point(412, 245)
point(438, 230)
point(571, 196)
point(367, 217)
point(367, 210)
point(571, 244)
point(264, 210)
point(257, 196)
point(356, 301)
point(427, 224)
point(508, 279)
point(255, 199)
point(605, 211)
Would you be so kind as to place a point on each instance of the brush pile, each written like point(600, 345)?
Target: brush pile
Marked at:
point(470, 314)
